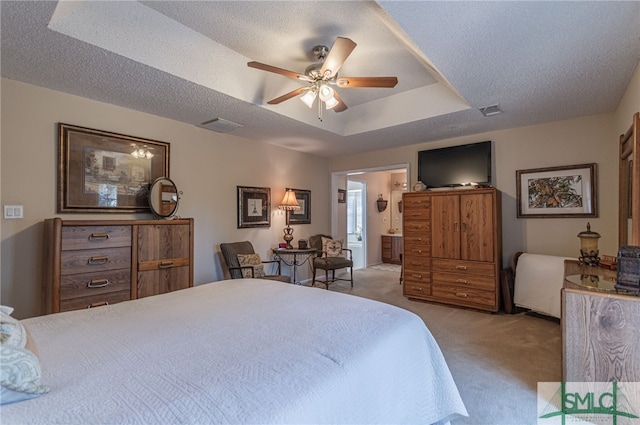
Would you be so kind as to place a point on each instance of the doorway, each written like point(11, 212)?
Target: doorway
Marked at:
point(356, 213)
point(376, 181)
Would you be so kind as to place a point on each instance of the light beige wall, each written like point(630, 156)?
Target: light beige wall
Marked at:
point(205, 165)
point(582, 140)
point(629, 105)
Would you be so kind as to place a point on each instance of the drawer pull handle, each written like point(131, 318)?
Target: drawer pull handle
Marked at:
point(416, 214)
point(461, 295)
point(416, 288)
point(165, 264)
point(417, 276)
point(98, 260)
point(99, 236)
point(461, 267)
point(461, 281)
point(100, 304)
point(97, 283)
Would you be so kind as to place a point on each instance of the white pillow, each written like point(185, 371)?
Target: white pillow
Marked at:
point(19, 365)
point(254, 261)
point(332, 247)
point(12, 332)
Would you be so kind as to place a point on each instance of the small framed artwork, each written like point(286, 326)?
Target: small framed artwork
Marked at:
point(303, 215)
point(342, 196)
point(254, 207)
point(100, 171)
point(567, 191)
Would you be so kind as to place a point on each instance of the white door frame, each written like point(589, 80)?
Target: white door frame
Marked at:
point(363, 199)
point(334, 186)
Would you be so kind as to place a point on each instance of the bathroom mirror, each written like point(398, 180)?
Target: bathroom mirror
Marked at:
point(163, 198)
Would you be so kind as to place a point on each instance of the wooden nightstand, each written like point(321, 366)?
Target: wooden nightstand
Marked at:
point(600, 327)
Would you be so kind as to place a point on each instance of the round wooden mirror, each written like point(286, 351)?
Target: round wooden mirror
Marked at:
point(163, 198)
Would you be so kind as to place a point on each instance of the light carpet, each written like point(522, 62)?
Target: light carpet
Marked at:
point(496, 359)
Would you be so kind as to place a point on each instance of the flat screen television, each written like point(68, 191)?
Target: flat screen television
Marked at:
point(454, 166)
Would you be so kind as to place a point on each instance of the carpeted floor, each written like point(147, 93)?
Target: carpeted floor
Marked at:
point(496, 359)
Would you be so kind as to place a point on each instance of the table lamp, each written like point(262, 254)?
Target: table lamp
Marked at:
point(589, 247)
point(289, 203)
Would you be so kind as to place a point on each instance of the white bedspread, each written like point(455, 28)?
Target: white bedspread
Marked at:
point(239, 351)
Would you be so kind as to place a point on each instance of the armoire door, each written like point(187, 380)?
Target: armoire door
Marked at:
point(477, 227)
point(445, 219)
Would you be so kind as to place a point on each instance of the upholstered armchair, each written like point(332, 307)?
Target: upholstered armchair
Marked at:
point(330, 256)
point(243, 262)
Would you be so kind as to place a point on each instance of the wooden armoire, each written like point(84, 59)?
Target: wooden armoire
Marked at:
point(452, 247)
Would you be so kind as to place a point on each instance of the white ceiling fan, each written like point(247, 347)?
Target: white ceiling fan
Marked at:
point(323, 75)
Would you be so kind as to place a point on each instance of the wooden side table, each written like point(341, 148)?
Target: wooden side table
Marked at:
point(600, 327)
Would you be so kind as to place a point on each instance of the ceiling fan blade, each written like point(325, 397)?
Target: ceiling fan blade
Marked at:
point(353, 82)
point(288, 96)
point(276, 70)
point(341, 106)
point(340, 51)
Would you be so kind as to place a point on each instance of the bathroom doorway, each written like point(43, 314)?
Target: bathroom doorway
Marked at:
point(356, 214)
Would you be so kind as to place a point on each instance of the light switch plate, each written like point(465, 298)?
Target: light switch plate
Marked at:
point(13, 211)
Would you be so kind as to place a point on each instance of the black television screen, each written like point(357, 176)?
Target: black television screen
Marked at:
point(456, 165)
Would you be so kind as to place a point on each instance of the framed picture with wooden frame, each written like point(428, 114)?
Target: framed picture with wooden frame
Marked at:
point(303, 215)
point(98, 173)
point(565, 191)
point(254, 207)
point(342, 196)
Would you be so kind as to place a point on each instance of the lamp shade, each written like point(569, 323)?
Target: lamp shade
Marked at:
point(308, 98)
point(331, 103)
point(289, 202)
point(326, 93)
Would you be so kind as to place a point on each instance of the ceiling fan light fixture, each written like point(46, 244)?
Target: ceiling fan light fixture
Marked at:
point(326, 93)
point(308, 98)
point(331, 103)
point(322, 75)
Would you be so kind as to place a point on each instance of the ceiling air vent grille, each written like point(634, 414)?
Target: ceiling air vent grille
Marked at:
point(220, 125)
point(487, 111)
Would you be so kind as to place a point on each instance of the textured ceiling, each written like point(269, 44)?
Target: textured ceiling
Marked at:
point(541, 61)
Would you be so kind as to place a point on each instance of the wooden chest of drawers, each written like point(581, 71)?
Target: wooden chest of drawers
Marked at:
point(391, 249)
point(93, 263)
point(452, 247)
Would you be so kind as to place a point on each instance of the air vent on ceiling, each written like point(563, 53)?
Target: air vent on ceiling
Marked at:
point(487, 111)
point(220, 125)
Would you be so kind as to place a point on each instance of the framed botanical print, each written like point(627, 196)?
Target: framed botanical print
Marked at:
point(566, 191)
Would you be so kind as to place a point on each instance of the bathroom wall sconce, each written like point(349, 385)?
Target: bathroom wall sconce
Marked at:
point(382, 204)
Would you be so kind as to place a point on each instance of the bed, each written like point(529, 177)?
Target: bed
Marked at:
point(538, 282)
point(244, 351)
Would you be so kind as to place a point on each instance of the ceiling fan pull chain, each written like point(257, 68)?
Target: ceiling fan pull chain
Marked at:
point(319, 108)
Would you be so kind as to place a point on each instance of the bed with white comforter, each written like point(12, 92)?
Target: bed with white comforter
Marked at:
point(244, 351)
